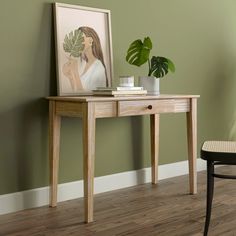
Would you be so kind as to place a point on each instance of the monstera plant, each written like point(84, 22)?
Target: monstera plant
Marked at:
point(139, 53)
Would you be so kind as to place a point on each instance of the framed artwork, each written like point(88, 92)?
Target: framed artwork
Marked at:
point(83, 49)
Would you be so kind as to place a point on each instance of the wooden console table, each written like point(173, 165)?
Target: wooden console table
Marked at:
point(90, 108)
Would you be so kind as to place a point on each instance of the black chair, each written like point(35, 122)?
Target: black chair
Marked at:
point(216, 153)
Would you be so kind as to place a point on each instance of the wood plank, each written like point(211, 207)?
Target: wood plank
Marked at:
point(145, 209)
point(154, 130)
point(54, 149)
point(70, 109)
point(105, 109)
point(108, 98)
point(89, 125)
point(192, 145)
point(182, 105)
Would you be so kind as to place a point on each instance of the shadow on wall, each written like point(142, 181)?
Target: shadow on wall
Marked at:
point(232, 134)
point(33, 122)
point(24, 147)
point(43, 81)
point(24, 122)
point(53, 78)
point(49, 55)
point(32, 147)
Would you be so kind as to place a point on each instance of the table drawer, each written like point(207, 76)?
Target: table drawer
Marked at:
point(145, 107)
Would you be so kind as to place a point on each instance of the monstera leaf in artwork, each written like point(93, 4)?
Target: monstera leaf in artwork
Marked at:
point(73, 43)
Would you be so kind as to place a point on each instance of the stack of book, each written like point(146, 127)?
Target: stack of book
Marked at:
point(119, 91)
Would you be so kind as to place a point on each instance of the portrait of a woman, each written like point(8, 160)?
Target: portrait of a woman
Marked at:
point(88, 71)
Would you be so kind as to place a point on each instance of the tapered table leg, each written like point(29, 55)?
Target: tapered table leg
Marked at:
point(54, 148)
point(89, 123)
point(154, 130)
point(192, 145)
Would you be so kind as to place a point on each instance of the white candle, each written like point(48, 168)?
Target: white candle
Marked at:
point(126, 81)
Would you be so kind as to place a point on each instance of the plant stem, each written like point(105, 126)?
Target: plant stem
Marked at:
point(149, 68)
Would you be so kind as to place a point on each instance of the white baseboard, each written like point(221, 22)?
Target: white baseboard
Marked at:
point(39, 197)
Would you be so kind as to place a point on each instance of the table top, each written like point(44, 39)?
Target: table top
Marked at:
point(120, 98)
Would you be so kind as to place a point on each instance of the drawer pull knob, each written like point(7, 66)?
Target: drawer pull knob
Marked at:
point(149, 107)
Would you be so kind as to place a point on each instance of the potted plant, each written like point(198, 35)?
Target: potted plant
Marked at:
point(138, 54)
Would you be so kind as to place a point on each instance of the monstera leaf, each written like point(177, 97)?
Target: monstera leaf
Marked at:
point(160, 66)
point(138, 52)
point(73, 43)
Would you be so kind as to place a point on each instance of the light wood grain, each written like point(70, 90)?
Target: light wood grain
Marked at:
point(107, 98)
point(145, 107)
point(89, 124)
point(154, 130)
point(67, 108)
point(105, 109)
point(182, 105)
point(54, 149)
point(192, 145)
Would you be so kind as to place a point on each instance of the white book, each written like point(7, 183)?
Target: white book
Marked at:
point(119, 88)
point(119, 93)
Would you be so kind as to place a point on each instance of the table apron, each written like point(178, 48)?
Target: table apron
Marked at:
point(123, 108)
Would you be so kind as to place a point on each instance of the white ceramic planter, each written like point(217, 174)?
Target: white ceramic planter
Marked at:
point(151, 84)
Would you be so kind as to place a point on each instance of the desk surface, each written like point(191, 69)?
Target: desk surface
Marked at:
point(110, 98)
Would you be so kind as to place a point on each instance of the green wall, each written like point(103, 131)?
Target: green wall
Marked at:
point(199, 36)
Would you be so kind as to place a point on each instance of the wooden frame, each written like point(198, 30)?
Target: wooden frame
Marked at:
point(83, 49)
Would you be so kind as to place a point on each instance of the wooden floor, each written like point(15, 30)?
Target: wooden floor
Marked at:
point(163, 210)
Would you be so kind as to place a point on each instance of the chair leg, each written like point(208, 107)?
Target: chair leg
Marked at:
point(210, 191)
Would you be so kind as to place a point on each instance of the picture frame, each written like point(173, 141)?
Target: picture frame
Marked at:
point(84, 57)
